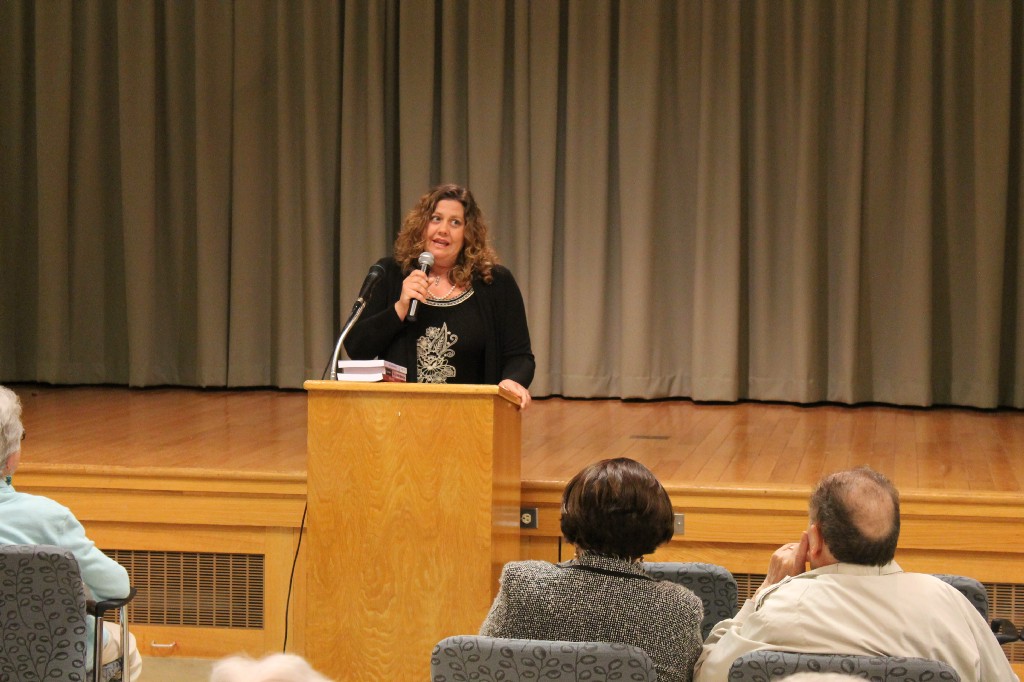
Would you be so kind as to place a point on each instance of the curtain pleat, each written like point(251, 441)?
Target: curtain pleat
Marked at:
point(723, 200)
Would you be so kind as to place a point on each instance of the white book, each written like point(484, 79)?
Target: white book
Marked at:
point(370, 370)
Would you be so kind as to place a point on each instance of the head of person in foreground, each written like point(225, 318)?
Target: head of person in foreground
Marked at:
point(11, 431)
point(854, 519)
point(616, 508)
point(273, 668)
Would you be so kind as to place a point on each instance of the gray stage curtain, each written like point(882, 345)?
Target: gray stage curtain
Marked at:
point(797, 201)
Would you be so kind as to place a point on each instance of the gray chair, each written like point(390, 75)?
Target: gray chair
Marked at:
point(970, 588)
point(764, 665)
point(483, 659)
point(714, 584)
point(1003, 629)
point(43, 617)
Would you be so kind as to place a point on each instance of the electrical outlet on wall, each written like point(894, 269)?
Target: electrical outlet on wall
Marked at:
point(528, 517)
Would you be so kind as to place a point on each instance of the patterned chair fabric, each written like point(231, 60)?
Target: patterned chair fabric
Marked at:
point(1004, 630)
point(970, 588)
point(490, 659)
point(714, 584)
point(764, 665)
point(42, 615)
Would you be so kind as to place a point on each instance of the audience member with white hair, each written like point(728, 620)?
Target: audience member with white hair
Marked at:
point(35, 520)
point(273, 668)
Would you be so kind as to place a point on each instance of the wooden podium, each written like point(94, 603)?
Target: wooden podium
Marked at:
point(413, 494)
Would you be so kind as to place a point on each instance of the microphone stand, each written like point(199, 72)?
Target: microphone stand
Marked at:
point(357, 310)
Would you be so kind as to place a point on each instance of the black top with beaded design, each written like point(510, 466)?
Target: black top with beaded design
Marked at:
point(506, 354)
point(450, 341)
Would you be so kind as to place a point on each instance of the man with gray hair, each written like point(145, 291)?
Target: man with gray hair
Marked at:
point(855, 599)
point(34, 520)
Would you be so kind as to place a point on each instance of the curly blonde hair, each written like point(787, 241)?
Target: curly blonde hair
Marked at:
point(477, 257)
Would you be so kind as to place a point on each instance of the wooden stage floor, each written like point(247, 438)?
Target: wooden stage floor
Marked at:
point(746, 445)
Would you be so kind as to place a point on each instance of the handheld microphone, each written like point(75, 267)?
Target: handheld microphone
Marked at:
point(426, 261)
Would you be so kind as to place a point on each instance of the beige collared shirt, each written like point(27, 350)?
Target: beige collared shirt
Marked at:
point(854, 609)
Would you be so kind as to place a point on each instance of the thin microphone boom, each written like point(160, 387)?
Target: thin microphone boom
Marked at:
point(372, 277)
point(426, 261)
point(369, 284)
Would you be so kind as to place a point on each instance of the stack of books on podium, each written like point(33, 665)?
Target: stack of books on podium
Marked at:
point(370, 370)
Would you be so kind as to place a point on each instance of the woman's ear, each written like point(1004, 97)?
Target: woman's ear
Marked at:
point(13, 460)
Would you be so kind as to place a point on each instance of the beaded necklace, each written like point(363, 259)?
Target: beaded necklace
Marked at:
point(437, 280)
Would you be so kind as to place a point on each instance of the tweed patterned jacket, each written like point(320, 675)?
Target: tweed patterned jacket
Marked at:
point(600, 599)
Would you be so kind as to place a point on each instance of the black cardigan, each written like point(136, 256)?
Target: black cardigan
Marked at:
point(507, 355)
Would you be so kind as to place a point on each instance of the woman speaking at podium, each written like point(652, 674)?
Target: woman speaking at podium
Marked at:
point(445, 310)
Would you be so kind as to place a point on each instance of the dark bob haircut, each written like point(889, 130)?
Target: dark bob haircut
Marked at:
point(616, 508)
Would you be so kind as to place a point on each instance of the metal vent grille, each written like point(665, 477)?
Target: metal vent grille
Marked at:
point(746, 585)
point(199, 589)
point(1005, 600)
